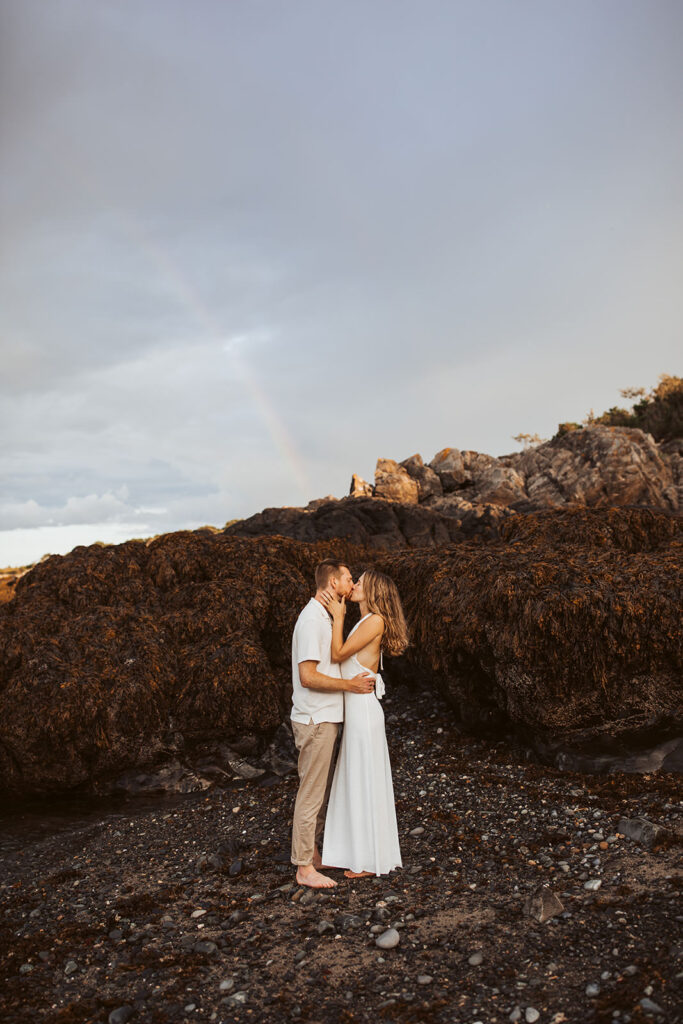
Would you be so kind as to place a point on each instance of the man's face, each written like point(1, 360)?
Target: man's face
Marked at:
point(342, 585)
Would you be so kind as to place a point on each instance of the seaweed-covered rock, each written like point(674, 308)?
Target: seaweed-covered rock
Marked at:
point(107, 653)
point(567, 629)
point(564, 629)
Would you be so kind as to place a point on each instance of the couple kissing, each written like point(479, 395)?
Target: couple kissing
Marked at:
point(337, 683)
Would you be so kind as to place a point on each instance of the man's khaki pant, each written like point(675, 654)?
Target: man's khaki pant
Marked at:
point(316, 744)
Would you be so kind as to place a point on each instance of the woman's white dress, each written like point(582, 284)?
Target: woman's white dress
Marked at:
point(361, 832)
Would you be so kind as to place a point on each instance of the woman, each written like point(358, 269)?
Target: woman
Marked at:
point(361, 832)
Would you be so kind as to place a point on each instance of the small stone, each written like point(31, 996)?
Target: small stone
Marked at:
point(25, 968)
point(592, 990)
point(593, 884)
point(515, 1015)
point(205, 947)
point(352, 921)
point(641, 830)
point(417, 831)
point(531, 1015)
point(388, 939)
point(197, 913)
point(226, 985)
point(424, 979)
point(476, 958)
point(236, 999)
point(324, 927)
point(70, 967)
point(235, 868)
point(115, 934)
point(631, 969)
point(120, 1015)
point(648, 1005)
point(542, 905)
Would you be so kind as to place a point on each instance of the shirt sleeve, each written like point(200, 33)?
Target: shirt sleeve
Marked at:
point(313, 643)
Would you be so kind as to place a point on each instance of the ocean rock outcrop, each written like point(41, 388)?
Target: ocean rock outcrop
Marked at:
point(428, 483)
point(564, 629)
point(375, 523)
point(394, 483)
point(595, 466)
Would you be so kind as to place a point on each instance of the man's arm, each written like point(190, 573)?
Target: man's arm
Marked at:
point(314, 680)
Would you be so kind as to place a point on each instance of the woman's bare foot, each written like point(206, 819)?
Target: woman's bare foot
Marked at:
point(358, 874)
point(307, 875)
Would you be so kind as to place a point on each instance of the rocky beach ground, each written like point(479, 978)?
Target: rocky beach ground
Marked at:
point(187, 909)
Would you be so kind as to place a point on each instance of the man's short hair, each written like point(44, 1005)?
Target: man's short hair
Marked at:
point(325, 569)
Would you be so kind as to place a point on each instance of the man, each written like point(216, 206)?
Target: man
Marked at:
point(317, 711)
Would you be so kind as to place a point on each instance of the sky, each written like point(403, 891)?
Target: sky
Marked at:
point(249, 247)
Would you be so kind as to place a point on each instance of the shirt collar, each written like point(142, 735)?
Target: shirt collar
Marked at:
point(324, 612)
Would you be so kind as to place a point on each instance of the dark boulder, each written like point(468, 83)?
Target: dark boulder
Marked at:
point(369, 522)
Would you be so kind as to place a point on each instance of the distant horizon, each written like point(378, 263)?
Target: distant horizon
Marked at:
point(29, 539)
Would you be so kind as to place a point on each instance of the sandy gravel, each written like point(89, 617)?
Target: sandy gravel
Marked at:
point(187, 910)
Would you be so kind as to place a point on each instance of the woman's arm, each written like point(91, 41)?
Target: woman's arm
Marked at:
point(369, 629)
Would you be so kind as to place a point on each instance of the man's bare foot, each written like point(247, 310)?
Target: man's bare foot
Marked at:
point(307, 875)
point(358, 874)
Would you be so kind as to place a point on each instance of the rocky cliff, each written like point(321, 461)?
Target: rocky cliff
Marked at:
point(594, 466)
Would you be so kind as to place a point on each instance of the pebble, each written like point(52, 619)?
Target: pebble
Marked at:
point(388, 939)
point(417, 831)
point(476, 958)
point(648, 1006)
point(324, 927)
point(592, 990)
point(531, 1014)
point(424, 979)
point(236, 999)
point(25, 968)
point(515, 1015)
point(70, 967)
point(120, 1015)
point(205, 947)
point(592, 884)
point(226, 985)
point(197, 913)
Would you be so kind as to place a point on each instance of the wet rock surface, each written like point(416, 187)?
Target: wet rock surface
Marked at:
point(131, 912)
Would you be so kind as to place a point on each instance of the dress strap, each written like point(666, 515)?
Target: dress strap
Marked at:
point(381, 659)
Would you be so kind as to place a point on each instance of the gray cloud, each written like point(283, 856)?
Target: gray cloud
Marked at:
point(425, 224)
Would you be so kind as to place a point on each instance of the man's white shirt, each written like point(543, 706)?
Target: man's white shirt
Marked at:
point(312, 641)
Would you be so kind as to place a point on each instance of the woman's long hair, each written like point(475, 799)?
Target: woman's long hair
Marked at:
point(381, 597)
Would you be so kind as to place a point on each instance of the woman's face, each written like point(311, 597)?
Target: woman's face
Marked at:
point(357, 593)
